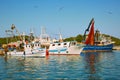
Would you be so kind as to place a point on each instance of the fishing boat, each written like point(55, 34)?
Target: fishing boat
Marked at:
point(61, 47)
point(29, 50)
point(96, 41)
point(64, 48)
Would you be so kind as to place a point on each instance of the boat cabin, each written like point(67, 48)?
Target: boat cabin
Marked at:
point(62, 44)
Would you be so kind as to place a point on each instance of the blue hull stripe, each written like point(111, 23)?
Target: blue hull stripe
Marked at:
point(99, 48)
point(56, 50)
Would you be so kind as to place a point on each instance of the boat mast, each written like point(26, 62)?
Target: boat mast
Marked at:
point(61, 40)
point(60, 37)
point(44, 37)
point(14, 28)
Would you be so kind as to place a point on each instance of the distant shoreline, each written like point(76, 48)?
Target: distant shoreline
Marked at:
point(116, 48)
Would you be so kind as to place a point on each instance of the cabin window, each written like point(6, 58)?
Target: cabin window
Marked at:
point(53, 44)
point(59, 44)
point(74, 43)
point(32, 45)
point(97, 42)
point(102, 42)
point(65, 43)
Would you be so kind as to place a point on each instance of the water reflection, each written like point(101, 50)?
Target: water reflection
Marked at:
point(84, 66)
point(91, 63)
point(90, 60)
point(95, 63)
point(64, 58)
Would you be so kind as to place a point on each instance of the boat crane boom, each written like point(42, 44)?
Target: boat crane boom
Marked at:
point(88, 28)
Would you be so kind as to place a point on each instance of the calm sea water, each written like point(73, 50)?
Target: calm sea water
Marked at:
point(86, 66)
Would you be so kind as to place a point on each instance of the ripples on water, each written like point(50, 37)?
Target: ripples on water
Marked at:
point(93, 66)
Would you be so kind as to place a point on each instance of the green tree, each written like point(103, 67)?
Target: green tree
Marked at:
point(70, 39)
point(79, 38)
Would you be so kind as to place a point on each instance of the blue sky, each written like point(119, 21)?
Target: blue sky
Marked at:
point(70, 17)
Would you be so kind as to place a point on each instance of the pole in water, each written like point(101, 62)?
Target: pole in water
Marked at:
point(24, 52)
point(47, 52)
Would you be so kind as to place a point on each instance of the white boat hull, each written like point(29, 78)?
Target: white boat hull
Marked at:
point(69, 51)
point(41, 53)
